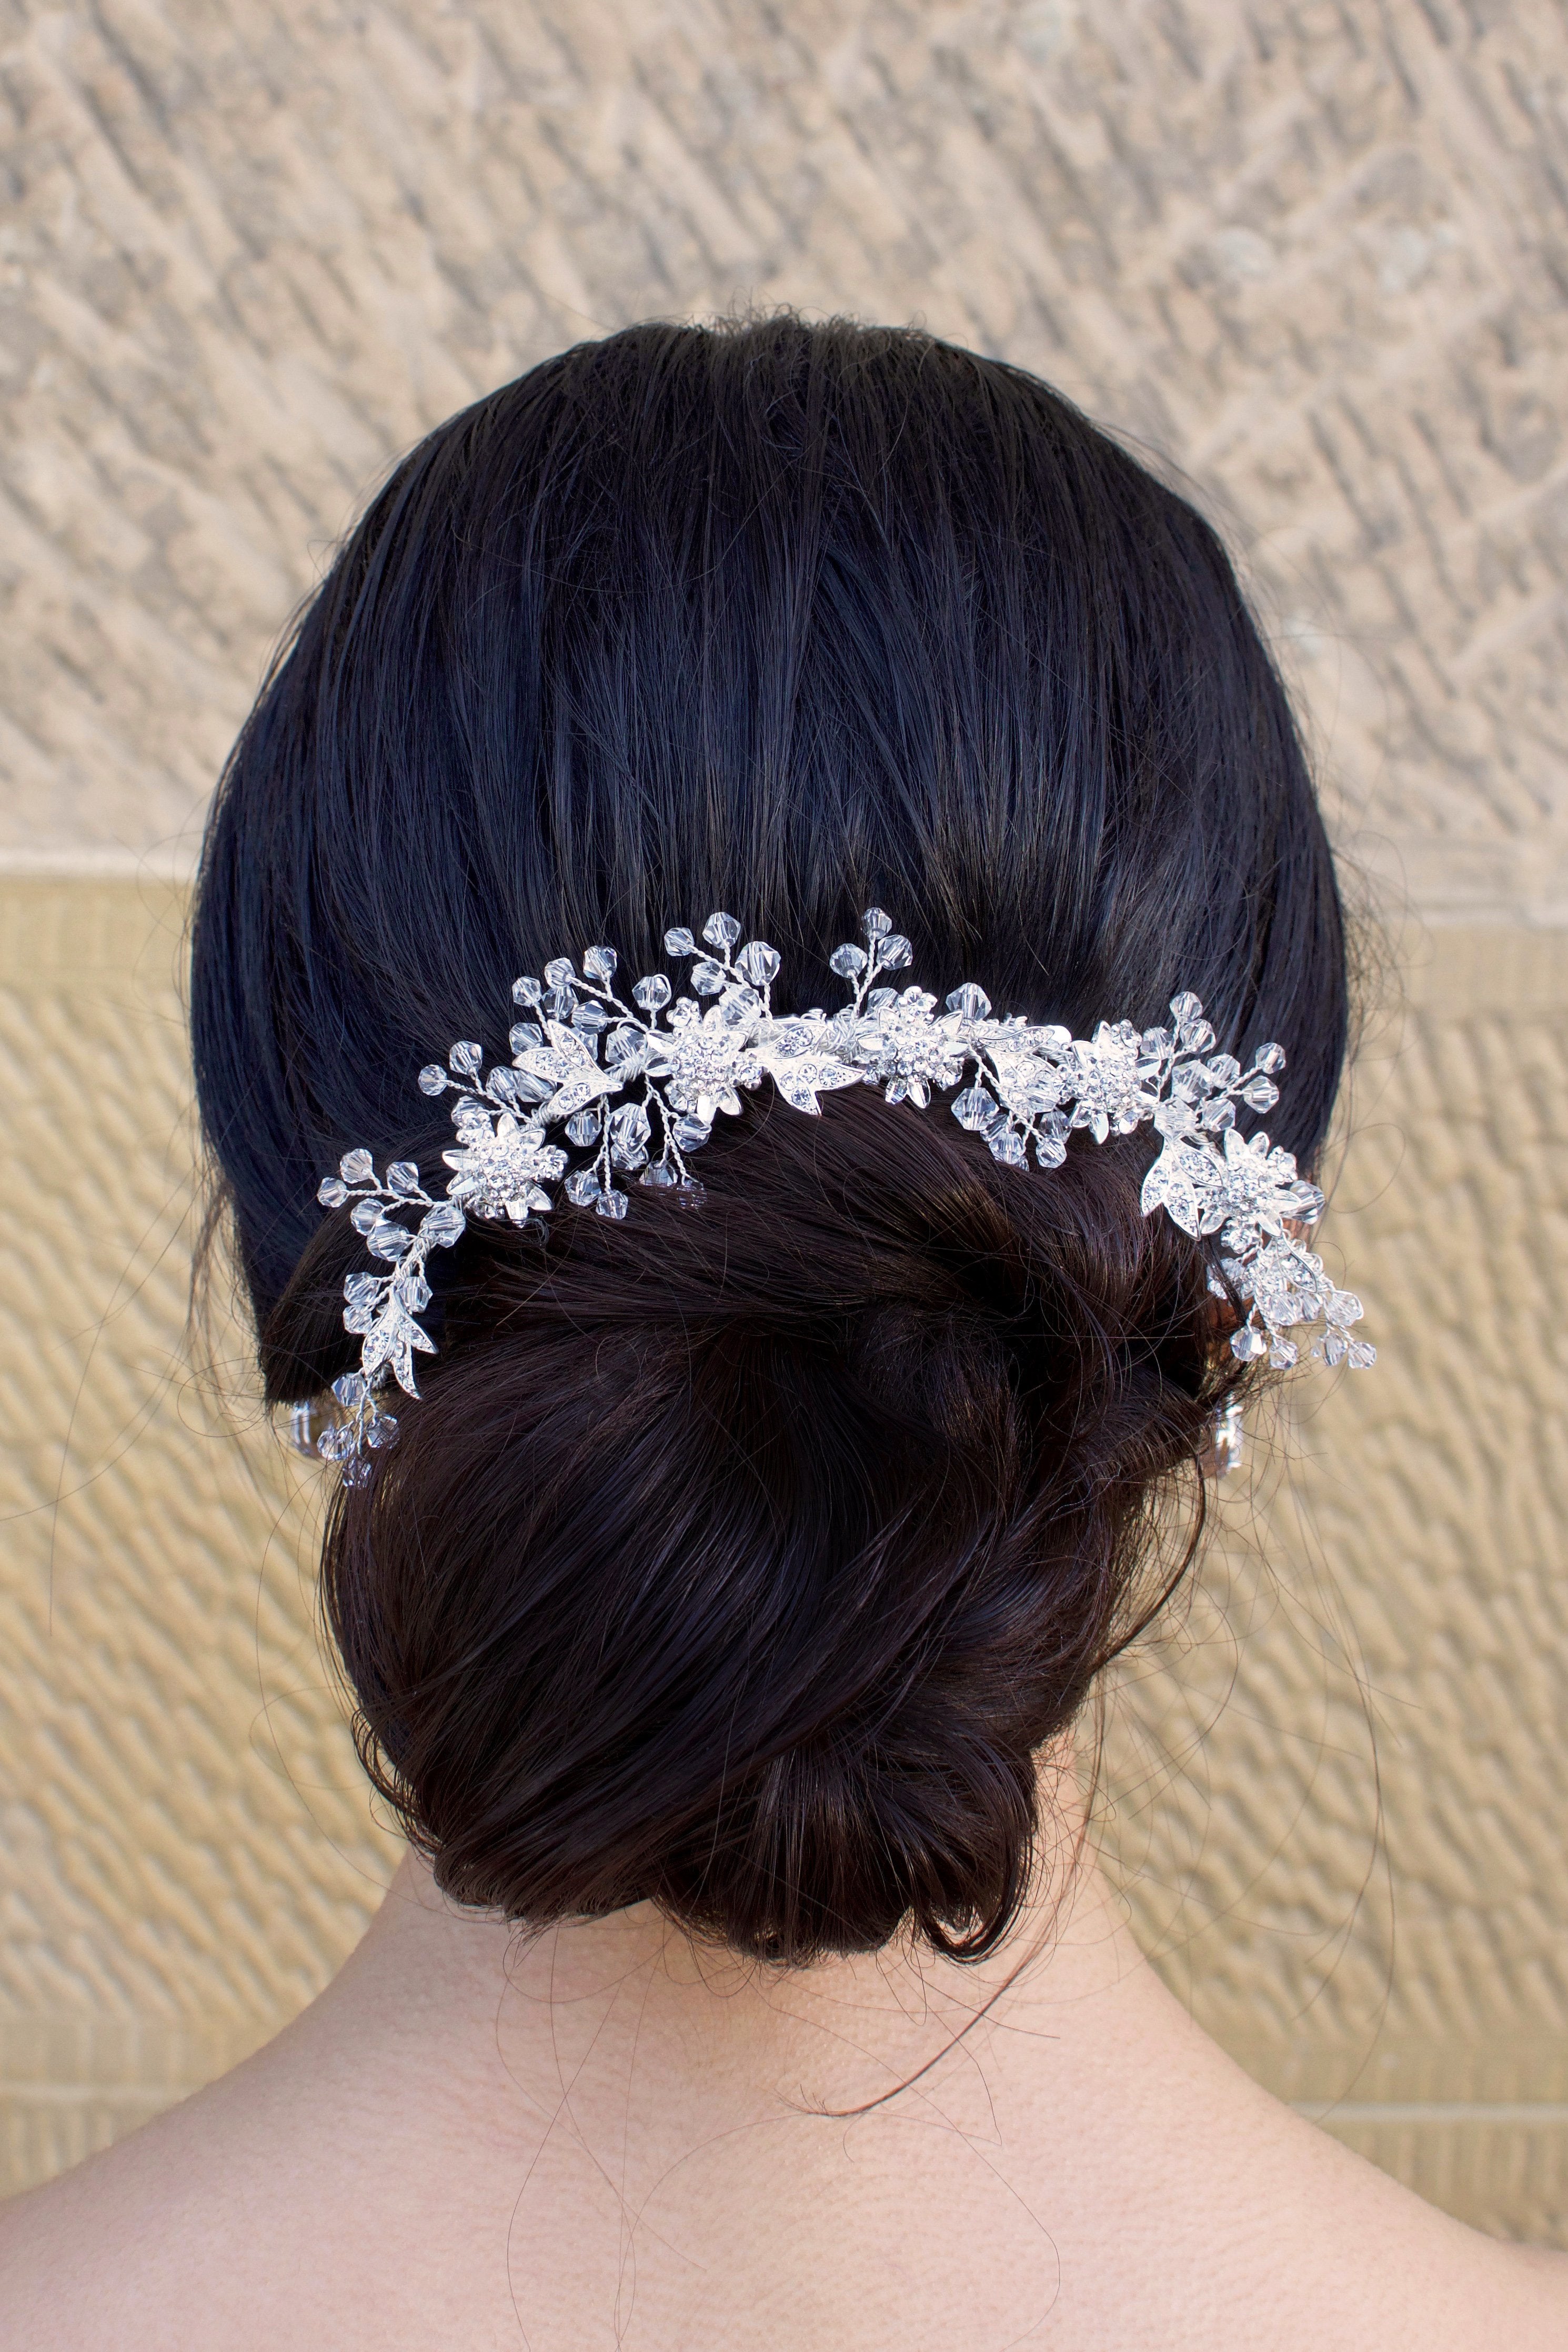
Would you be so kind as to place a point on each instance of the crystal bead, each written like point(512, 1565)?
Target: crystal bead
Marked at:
point(599, 964)
point(432, 1079)
point(525, 1037)
point(896, 952)
point(1336, 1347)
point(1269, 1058)
point(1186, 1007)
point(503, 1087)
point(652, 993)
point(624, 1043)
point(1196, 1037)
point(691, 1133)
point(467, 1059)
point(880, 998)
point(443, 1225)
point(975, 1110)
point(847, 961)
point(1217, 1114)
point(589, 1018)
point(707, 977)
point(1229, 1437)
point(389, 1239)
point(401, 1176)
point(526, 991)
point(1359, 1354)
point(1344, 1307)
point(1283, 1354)
point(680, 942)
point(356, 1167)
point(1248, 1343)
point(1008, 1147)
point(875, 924)
point(382, 1429)
point(658, 1177)
point(611, 1203)
point(972, 1003)
point(629, 1128)
point(720, 931)
point(690, 1193)
point(357, 1471)
point(332, 1191)
point(1157, 1042)
point(1224, 1069)
point(759, 963)
point(351, 1390)
point(364, 1214)
point(1050, 1151)
point(560, 972)
point(583, 1127)
point(582, 1187)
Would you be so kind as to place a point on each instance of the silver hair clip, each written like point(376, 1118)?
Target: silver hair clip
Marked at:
point(636, 1087)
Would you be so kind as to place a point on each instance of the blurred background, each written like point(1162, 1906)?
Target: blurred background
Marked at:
point(1315, 255)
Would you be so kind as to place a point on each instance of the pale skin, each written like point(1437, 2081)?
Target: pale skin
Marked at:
point(604, 2136)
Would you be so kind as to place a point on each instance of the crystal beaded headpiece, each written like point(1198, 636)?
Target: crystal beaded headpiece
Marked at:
point(632, 1090)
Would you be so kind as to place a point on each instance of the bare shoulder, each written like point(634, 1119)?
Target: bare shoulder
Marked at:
point(166, 2239)
point(111, 2253)
point(1232, 2221)
point(269, 2209)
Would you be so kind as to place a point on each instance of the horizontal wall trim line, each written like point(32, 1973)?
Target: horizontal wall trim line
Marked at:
point(176, 863)
point(93, 2094)
point(1553, 2112)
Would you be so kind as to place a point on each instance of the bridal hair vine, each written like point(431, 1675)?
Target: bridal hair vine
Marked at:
point(637, 1086)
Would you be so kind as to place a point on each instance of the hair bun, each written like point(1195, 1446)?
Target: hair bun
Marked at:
point(745, 1560)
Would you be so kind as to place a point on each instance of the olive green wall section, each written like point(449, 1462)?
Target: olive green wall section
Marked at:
point(186, 1847)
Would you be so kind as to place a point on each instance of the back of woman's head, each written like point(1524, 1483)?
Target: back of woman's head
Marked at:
point(745, 1558)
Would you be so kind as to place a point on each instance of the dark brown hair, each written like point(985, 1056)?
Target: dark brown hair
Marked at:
point(745, 1558)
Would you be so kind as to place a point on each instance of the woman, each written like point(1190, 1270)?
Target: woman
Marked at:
point(737, 1504)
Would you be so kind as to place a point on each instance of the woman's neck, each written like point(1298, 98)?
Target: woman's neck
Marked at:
point(487, 2013)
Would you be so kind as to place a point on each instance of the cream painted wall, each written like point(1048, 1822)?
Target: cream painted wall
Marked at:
point(1318, 257)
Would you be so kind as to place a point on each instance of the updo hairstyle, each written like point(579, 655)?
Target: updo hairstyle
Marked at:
point(743, 1559)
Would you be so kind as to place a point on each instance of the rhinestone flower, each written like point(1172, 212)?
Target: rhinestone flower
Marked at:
point(501, 1171)
point(901, 1047)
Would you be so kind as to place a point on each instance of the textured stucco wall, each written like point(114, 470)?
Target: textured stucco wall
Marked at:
point(1315, 254)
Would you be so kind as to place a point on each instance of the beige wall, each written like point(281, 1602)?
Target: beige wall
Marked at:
point(1318, 257)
